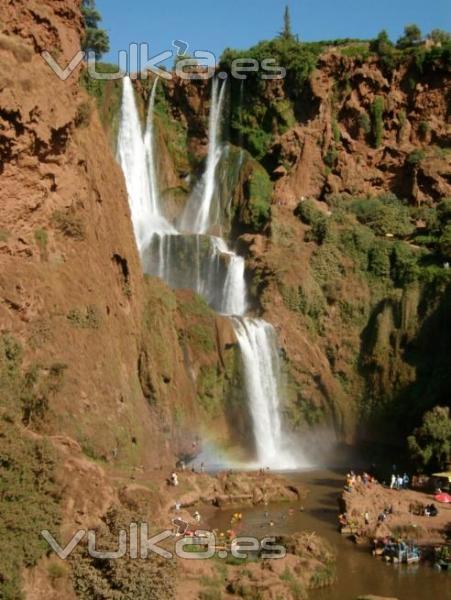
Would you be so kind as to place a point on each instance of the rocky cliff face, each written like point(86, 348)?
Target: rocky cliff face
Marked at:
point(97, 362)
point(344, 145)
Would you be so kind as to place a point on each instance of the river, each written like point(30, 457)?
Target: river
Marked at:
point(358, 573)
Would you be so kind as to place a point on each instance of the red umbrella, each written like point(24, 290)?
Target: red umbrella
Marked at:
point(444, 498)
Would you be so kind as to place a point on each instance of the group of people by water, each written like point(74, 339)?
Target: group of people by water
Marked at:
point(399, 482)
point(352, 479)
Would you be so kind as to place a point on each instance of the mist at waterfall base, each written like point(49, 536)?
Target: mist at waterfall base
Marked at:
point(187, 256)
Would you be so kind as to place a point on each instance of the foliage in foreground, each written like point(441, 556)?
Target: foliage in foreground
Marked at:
point(29, 495)
point(124, 578)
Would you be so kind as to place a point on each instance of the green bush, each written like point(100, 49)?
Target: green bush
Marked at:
point(125, 578)
point(415, 157)
point(377, 114)
point(41, 237)
point(445, 242)
point(85, 319)
point(384, 215)
point(444, 211)
point(69, 224)
point(359, 52)
point(255, 119)
point(260, 193)
point(379, 260)
point(382, 45)
point(404, 265)
point(29, 494)
point(365, 123)
point(423, 129)
point(318, 221)
point(430, 443)
point(308, 213)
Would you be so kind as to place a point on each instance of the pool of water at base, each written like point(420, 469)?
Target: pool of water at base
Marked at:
point(358, 573)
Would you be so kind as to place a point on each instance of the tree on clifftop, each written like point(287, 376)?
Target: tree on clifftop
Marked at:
point(95, 39)
point(287, 33)
point(412, 37)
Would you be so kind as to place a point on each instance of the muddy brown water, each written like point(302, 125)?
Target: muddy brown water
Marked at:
point(357, 571)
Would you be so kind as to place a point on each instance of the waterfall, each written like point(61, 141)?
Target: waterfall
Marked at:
point(188, 257)
point(132, 158)
point(198, 217)
point(149, 144)
point(136, 157)
point(257, 341)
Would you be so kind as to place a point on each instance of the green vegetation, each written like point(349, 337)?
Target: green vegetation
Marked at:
point(29, 494)
point(69, 224)
point(175, 134)
point(255, 121)
point(415, 157)
point(377, 116)
point(4, 235)
point(412, 37)
point(255, 115)
point(85, 319)
point(297, 590)
point(42, 238)
point(359, 52)
point(384, 215)
point(260, 191)
point(287, 31)
point(318, 221)
point(125, 578)
point(95, 39)
point(423, 129)
point(108, 95)
point(202, 337)
point(430, 444)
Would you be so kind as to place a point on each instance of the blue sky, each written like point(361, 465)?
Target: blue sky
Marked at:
point(216, 24)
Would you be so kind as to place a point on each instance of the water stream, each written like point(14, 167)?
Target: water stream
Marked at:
point(358, 573)
point(189, 256)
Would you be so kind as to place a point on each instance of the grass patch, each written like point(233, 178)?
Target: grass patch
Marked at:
point(85, 319)
point(69, 224)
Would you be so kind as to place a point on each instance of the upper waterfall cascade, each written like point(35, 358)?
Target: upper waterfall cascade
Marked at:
point(190, 257)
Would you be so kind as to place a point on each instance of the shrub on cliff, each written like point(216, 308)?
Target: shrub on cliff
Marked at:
point(318, 221)
point(430, 444)
point(255, 211)
point(124, 578)
point(29, 496)
point(445, 242)
point(384, 215)
point(377, 114)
